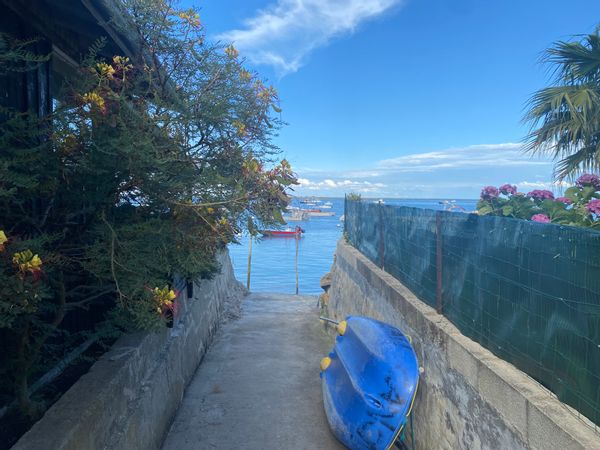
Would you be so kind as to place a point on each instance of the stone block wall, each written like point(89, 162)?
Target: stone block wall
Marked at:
point(129, 396)
point(468, 398)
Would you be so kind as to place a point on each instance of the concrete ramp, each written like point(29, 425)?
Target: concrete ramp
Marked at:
point(258, 386)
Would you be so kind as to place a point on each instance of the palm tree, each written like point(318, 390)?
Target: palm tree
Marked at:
point(565, 118)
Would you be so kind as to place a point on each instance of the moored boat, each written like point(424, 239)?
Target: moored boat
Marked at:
point(288, 232)
point(369, 383)
point(321, 214)
point(296, 216)
point(318, 213)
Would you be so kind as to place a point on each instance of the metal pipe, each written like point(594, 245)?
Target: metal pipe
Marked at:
point(327, 319)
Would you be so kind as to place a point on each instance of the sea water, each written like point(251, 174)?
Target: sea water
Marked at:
point(273, 267)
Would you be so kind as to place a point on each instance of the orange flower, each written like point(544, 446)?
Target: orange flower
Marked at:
point(164, 298)
point(26, 261)
point(94, 99)
point(3, 240)
point(232, 52)
point(240, 127)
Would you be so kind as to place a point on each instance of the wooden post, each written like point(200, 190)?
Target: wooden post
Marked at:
point(381, 238)
point(249, 262)
point(345, 215)
point(438, 262)
point(297, 243)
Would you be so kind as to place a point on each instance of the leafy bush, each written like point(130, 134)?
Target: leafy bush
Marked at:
point(580, 206)
point(144, 170)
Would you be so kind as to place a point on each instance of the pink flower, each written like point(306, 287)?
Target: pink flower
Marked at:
point(507, 189)
point(540, 194)
point(565, 200)
point(593, 206)
point(489, 192)
point(543, 218)
point(588, 179)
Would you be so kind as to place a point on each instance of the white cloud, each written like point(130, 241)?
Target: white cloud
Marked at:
point(285, 33)
point(330, 185)
point(450, 173)
point(556, 186)
point(482, 156)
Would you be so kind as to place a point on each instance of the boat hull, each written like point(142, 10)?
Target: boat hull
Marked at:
point(321, 214)
point(369, 384)
point(276, 233)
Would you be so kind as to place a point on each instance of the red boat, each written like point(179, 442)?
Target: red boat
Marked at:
point(296, 232)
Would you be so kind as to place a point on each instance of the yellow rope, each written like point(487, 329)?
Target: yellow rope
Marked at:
point(412, 402)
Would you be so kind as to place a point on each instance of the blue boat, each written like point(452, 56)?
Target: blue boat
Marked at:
point(369, 383)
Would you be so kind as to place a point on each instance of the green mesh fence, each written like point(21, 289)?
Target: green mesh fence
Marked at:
point(529, 292)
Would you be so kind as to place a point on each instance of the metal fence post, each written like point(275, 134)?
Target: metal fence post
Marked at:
point(438, 262)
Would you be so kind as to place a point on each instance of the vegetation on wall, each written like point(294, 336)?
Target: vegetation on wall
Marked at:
point(144, 170)
point(580, 206)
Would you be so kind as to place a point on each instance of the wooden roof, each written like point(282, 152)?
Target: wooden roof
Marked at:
point(73, 26)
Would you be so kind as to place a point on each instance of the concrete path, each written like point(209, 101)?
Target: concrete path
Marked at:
point(258, 386)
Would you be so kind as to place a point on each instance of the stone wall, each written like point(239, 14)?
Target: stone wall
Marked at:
point(468, 398)
point(129, 396)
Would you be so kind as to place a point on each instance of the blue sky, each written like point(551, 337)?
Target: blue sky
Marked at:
point(402, 98)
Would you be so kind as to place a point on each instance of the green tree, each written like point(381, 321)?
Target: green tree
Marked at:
point(565, 118)
point(146, 168)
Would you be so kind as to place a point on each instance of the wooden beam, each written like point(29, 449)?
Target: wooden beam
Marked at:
point(104, 22)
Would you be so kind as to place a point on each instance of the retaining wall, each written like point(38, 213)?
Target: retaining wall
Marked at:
point(468, 398)
point(129, 396)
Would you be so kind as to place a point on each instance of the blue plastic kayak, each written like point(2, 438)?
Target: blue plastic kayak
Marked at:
point(369, 383)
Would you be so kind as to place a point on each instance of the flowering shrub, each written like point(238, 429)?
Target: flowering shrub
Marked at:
point(580, 206)
point(593, 206)
point(588, 180)
point(489, 192)
point(3, 240)
point(146, 168)
point(26, 261)
point(543, 218)
point(540, 194)
point(163, 299)
point(508, 189)
point(565, 200)
point(20, 278)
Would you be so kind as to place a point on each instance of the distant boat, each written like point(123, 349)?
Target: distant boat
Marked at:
point(318, 213)
point(297, 215)
point(288, 232)
point(369, 383)
point(310, 201)
point(451, 205)
point(321, 214)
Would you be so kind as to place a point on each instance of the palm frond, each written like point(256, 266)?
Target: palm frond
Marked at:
point(565, 118)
